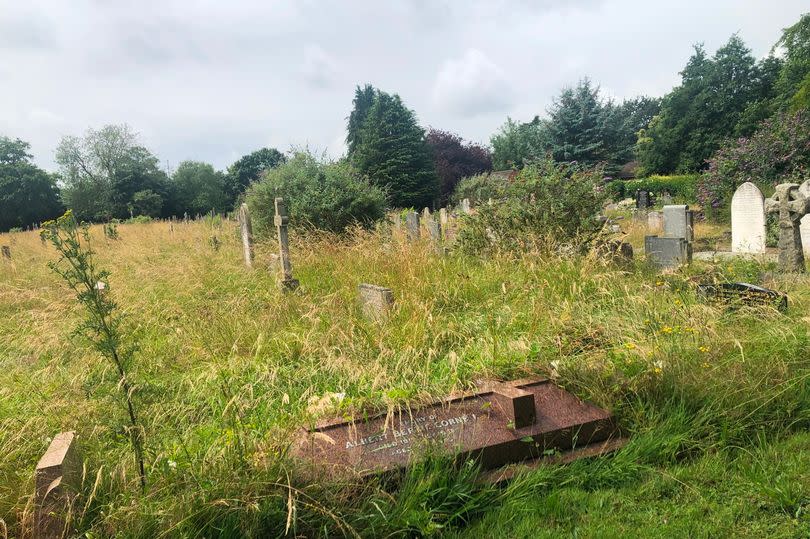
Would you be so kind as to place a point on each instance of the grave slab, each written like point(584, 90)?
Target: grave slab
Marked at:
point(499, 424)
point(744, 294)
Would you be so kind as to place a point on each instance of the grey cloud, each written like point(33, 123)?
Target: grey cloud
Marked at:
point(26, 34)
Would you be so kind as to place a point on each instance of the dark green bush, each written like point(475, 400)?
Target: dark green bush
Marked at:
point(478, 188)
point(683, 188)
point(545, 202)
point(318, 193)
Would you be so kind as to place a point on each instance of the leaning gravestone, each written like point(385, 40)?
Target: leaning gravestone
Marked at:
point(58, 476)
point(667, 252)
point(497, 425)
point(281, 220)
point(375, 301)
point(791, 206)
point(678, 222)
point(736, 294)
point(804, 224)
point(748, 220)
point(412, 226)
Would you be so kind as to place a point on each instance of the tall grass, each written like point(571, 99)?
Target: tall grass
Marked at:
point(230, 368)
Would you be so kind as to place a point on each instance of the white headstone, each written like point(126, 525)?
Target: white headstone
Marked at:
point(804, 224)
point(748, 220)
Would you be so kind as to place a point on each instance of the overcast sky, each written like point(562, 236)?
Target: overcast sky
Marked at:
point(214, 80)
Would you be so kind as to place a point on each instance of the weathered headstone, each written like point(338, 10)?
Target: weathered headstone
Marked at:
point(57, 478)
point(435, 234)
point(246, 229)
point(426, 214)
point(465, 205)
point(496, 425)
point(748, 220)
point(443, 217)
point(666, 198)
point(375, 301)
point(678, 222)
point(791, 206)
point(643, 199)
point(736, 294)
point(654, 221)
point(412, 226)
point(667, 252)
point(281, 219)
point(6, 251)
point(804, 224)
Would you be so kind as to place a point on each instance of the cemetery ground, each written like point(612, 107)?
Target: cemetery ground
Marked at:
point(716, 403)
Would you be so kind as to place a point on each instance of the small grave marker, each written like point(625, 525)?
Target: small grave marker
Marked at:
point(246, 229)
point(736, 294)
point(280, 220)
point(375, 301)
point(497, 425)
point(792, 206)
point(412, 226)
point(667, 252)
point(57, 477)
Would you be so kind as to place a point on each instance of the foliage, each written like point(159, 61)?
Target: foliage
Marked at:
point(478, 188)
point(683, 187)
point(199, 188)
point(245, 171)
point(455, 159)
point(103, 170)
point(390, 149)
point(103, 326)
point(28, 194)
point(517, 143)
point(546, 201)
point(362, 102)
point(325, 195)
point(146, 203)
point(793, 84)
point(779, 151)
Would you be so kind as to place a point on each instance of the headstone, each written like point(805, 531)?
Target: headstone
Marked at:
point(654, 221)
point(281, 219)
point(247, 234)
point(736, 294)
point(375, 301)
point(791, 206)
point(426, 214)
point(678, 222)
point(6, 252)
point(412, 226)
point(496, 425)
point(748, 220)
point(443, 217)
point(435, 233)
point(804, 224)
point(615, 251)
point(667, 252)
point(57, 477)
point(643, 199)
point(465, 205)
point(185, 217)
point(666, 198)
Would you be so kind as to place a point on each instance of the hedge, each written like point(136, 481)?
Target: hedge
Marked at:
point(683, 188)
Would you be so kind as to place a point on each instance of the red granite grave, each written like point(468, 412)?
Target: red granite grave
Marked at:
point(499, 424)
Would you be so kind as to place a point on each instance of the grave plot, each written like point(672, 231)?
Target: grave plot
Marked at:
point(737, 294)
point(500, 424)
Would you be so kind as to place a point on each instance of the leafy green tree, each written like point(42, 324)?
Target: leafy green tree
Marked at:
point(248, 169)
point(793, 84)
point(28, 194)
point(199, 188)
point(146, 202)
point(320, 193)
point(391, 150)
point(363, 99)
point(103, 170)
point(517, 143)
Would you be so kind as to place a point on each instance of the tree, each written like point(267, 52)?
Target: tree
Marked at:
point(517, 143)
point(793, 83)
point(248, 169)
point(146, 202)
point(103, 170)
point(392, 152)
point(455, 159)
point(199, 188)
point(363, 99)
point(712, 100)
point(28, 194)
point(576, 125)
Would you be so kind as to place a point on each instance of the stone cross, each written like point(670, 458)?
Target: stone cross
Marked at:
point(247, 234)
point(791, 206)
point(287, 281)
point(57, 477)
point(412, 226)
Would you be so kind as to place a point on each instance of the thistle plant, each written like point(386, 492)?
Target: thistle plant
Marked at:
point(102, 325)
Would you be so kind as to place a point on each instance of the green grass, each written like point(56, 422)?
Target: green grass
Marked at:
point(717, 403)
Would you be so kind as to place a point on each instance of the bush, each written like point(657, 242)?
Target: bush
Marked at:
point(778, 151)
point(683, 188)
point(318, 193)
point(546, 201)
point(479, 188)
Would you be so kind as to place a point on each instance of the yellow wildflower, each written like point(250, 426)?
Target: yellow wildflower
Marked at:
point(703, 349)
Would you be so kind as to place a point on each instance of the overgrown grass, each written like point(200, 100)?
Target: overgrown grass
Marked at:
point(229, 368)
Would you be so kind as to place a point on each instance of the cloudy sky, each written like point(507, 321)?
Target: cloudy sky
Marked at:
point(213, 80)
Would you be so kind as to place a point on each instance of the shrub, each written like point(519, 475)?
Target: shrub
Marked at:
point(546, 201)
point(778, 151)
point(318, 193)
point(478, 188)
point(683, 188)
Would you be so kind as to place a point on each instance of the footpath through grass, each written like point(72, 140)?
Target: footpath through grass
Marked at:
point(717, 403)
